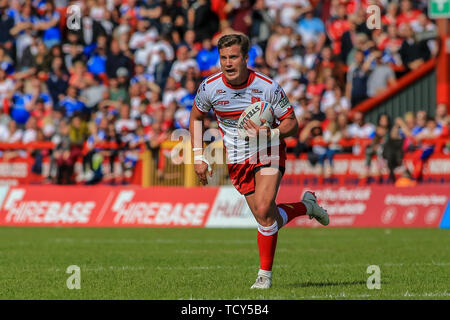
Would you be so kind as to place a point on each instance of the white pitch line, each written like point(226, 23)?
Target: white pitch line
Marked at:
point(219, 241)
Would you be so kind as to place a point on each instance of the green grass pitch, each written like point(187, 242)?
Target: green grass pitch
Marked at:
point(149, 263)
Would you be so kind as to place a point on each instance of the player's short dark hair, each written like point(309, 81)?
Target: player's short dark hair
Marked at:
point(229, 40)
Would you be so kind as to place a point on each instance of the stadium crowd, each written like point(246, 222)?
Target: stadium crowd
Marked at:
point(128, 77)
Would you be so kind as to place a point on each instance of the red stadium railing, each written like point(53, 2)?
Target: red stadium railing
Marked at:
point(19, 169)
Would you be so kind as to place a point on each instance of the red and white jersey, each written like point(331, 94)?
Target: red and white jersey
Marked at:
point(228, 102)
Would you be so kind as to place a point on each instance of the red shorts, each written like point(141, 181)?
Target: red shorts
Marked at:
point(242, 175)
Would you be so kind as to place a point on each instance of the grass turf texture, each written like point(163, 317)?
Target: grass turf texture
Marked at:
point(147, 263)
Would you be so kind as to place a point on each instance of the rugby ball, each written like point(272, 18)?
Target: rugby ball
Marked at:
point(255, 112)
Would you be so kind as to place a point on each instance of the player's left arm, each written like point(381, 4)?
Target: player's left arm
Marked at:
point(288, 127)
point(283, 112)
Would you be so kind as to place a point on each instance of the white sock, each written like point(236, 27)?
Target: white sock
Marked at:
point(265, 273)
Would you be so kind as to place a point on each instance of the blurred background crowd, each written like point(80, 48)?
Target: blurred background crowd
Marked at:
point(129, 75)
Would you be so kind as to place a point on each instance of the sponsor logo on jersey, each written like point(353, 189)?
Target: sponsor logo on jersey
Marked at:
point(284, 102)
point(228, 122)
point(220, 91)
point(255, 99)
point(222, 102)
point(237, 95)
point(257, 91)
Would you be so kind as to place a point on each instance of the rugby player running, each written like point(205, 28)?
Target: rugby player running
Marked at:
point(258, 178)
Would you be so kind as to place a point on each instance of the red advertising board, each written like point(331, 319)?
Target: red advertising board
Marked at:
point(375, 206)
point(159, 207)
point(52, 205)
point(106, 206)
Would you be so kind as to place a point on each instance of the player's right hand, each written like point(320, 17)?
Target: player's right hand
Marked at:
point(201, 169)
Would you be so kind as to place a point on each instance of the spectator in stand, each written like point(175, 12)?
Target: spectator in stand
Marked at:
point(332, 136)
point(116, 59)
point(359, 128)
point(172, 92)
point(393, 152)
point(408, 15)
point(240, 13)
point(357, 76)
point(78, 133)
point(381, 76)
point(261, 22)
point(30, 132)
point(93, 153)
point(187, 101)
point(389, 43)
point(90, 29)
point(125, 123)
point(97, 62)
point(348, 38)
point(182, 63)
point(58, 81)
point(413, 53)
point(208, 59)
point(311, 28)
point(49, 24)
point(314, 108)
point(441, 115)
point(6, 87)
point(22, 103)
point(156, 136)
point(312, 137)
point(315, 86)
point(427, 30)
point(25, 26)
point(406, 126)
point(202, 19)
point(336, 27)
point(11, 134)
point(390, 15)
point(6, 25)
point(425, 147)
point(363, 44)
point(421, 122)
point(376, 148)
point(38, 154)
point(145, 34)
point(445, 134)
point(93, 94)
point(61, 155)
point(162, 70)
point(277, 41)
point(328, 97)
point(342, 104)
point(79, 76)
point(71, 103)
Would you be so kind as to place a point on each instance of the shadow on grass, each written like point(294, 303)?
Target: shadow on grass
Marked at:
point(327, 284)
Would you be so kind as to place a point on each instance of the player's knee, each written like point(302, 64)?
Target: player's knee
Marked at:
point(262, 213)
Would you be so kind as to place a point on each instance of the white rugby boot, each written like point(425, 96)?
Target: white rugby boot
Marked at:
point(314, 210)
point(263, 281)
